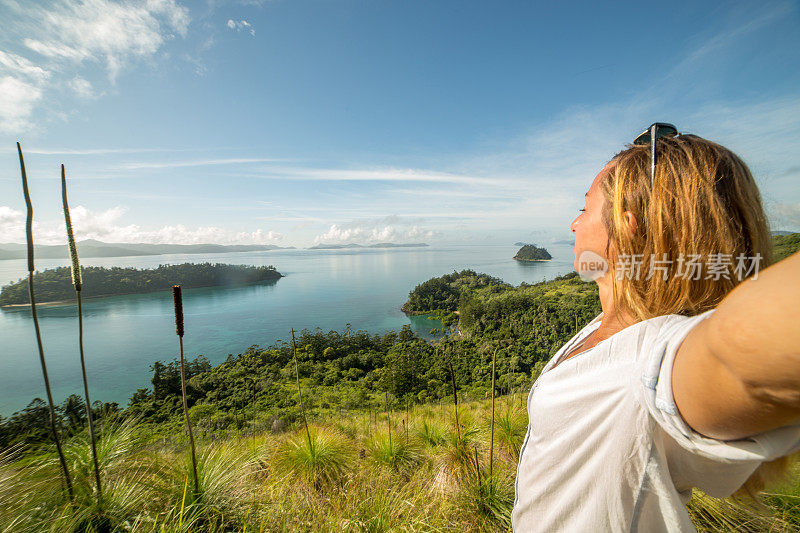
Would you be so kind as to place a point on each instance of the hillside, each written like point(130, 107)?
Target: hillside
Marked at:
point(786, 245)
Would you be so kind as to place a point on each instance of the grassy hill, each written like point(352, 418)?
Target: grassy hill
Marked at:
point(385, 449)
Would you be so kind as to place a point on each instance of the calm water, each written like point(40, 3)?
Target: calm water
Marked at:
point(124, 335)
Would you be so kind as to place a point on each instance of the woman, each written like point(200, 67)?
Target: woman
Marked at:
point(689, 377)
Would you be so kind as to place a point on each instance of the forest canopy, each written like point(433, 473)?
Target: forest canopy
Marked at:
point(56, 284)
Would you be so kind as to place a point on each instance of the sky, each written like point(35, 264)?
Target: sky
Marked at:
point(299, 122)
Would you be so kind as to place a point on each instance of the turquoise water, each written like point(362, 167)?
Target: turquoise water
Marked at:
point(324, 289)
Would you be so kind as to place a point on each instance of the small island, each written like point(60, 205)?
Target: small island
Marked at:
point(55, 284)
point(531, 252)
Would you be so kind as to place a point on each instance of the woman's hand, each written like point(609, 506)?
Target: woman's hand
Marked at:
point(738, 372)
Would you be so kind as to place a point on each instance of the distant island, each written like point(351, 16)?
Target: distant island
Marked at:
point(353, 245)
point(55, 284)
point(93, 248)
point(531, 252)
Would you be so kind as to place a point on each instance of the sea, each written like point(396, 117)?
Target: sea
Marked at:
point(325, 289)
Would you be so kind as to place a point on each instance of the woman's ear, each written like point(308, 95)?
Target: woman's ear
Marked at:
point(630, 218)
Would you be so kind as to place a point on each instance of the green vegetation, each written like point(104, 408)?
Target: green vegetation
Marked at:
point(531, 252)
point(385, 448)
point(55, 284)
point(786, 245)
point(263, 480)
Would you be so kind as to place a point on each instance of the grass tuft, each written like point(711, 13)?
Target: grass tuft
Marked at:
point(317, 457)
point(510, 427)
point(396, 453)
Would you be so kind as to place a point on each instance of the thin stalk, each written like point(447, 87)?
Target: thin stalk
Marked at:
point(477, 465)
point(300, 392)
point(254, 413)
point(29, 238)
point(406, 420)
point(491, 440)
point(178, 300)
point(77, 282)
point(455, 399)
point(388, 419)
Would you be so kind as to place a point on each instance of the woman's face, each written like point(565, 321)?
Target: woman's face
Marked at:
point(591, 237)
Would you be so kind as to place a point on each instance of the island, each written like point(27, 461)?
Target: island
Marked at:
point(94, 248)
point(377, 245)
point(531, 252)
point(55, 284)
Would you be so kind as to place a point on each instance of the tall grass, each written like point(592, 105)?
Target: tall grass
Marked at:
point(511, 426)
point(491, 446)
point(178, 301)
point(29, 239)
point(431, 433)
point(397, 454)
point(318, 458)
point(289, 486)
point(300, 391)
point(75, 270)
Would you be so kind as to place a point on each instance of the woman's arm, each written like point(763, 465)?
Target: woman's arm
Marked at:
point(738, 372)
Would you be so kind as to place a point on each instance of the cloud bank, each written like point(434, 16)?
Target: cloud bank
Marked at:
point(106, 226)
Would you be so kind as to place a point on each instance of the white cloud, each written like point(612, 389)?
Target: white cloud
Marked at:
point(377, 174)
point(101, 30)
point(19, 66)
point(57, 41)
point(240, 25)
point(785, 216)
point(17, 102)
point(393, 229)
point(12, 224)
point(106, 226)
point(81, 87)
point(196, 163)
point(93, 151)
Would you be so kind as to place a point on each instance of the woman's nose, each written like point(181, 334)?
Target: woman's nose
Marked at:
point(572, 226)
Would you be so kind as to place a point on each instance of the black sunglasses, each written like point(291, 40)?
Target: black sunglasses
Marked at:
point(650, 136)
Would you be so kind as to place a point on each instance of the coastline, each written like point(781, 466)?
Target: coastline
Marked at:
point(53, 303)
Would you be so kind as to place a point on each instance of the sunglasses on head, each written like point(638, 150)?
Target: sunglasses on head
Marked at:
point(650, 136)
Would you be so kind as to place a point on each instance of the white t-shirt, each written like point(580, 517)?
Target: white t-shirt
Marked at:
point(606, 449)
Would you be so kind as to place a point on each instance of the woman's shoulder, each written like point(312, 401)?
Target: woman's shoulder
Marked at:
point(665, 326)
point(647, 341)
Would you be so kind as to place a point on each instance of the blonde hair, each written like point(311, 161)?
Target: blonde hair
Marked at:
point(703, 201)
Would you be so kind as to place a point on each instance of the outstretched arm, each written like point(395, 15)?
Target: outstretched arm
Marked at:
point(738, 372)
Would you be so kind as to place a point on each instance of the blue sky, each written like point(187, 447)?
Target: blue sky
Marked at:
point(298, 122)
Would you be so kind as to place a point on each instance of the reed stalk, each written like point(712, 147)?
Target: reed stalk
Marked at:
point(29, 238)
point(77, 282)
point(477, 465)
point(455, 398)
point(388, 419)
point(300, 393)
point(491, 440)
point(178, 300)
